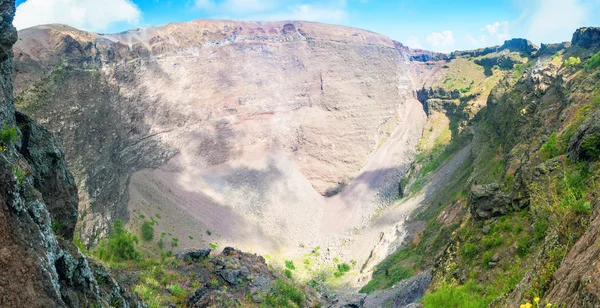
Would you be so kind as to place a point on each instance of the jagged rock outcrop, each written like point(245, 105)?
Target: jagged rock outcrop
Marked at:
point(587, 37)
point(502, 61)
point(244, 275)
point(513, 45)
point(585, 143)
point(39, 265)
point(420, 55)
point(551, 49)
point(487, 201)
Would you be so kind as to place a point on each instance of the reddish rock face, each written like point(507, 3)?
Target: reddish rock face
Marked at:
point(577, 280)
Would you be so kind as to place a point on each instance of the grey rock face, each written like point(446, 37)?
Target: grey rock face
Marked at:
point(486, 201)
point(412, 289)
point(585, 143)
point(587, 37)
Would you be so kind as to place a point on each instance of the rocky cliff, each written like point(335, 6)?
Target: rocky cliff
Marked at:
point(39, 266)
point(517, 224)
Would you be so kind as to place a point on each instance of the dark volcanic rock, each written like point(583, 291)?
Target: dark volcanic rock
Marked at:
point(486, 201)
point(550, 49)
point(503, 61)
point(412, 289)
point(193, 254)
point(587, 37)
point(585, 143)
point(50, 174)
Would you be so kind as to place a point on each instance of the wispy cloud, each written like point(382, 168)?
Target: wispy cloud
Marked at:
point(492, 34)
point(498, 31)
point(551, 19)
point(93, 15)
point(414, 42)
point(323, 11)
point(442, 41)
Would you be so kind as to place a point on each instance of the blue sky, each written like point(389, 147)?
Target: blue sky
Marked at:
point(437, 25)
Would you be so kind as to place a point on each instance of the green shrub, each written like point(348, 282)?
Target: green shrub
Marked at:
point(590, 147)
point(288, 273)
point(161, 244)
point(119, 246)
point(290, 265)
point(342, 269)
point(469, 250)
point(284, 295)
point(550, 149)
point(174, 242)
point(8, 135)
point(491, 240)
point(539, 229)
point(486, 259)
point(175, 289)
point(572, 61)
point(593, 62)
point(523, 246)
point(20, 174)
point(147, 231)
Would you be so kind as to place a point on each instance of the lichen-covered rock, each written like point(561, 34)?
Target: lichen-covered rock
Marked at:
point(50, 174)
point(486, 201)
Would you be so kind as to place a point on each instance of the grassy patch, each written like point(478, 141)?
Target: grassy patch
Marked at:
point(284, 295)
point(469, 295)
point(390, 271)
point(120, 245)
point(147, 231)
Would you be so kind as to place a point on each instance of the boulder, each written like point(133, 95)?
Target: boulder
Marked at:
point(193, 254)
point(486, 201)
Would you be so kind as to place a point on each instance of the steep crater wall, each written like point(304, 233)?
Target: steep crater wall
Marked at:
point(216, 119)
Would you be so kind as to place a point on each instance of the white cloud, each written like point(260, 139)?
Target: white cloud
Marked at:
point(553, 21)
point(443, 41)
point(493, 34)
point(498, 31)
point(94, 15)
